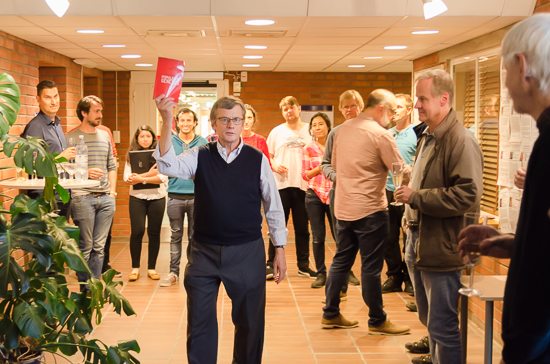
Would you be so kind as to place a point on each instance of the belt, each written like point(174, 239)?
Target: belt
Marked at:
point(97, 194)
point(412, 227)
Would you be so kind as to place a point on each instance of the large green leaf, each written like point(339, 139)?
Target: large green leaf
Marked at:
point(117, 299)
point(29, 319)
point(69, 339)
point(11, 332)
point(9, 102)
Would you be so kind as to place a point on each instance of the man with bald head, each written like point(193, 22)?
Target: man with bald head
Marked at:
point(362, 155)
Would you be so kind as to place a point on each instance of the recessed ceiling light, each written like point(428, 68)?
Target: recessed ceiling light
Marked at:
point(466, 57)
point(255, 47)
point(253, 57)
point(356, 66)
point(144, 64)
point(420, 32)
point(90, 31)
point(130, 56)
point(259, 22)
point(251, 65)
point(372, 57)
point(395, 47)
point(114, 45)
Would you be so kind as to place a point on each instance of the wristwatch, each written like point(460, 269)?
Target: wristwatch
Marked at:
point(144, 181)
point(280, 246)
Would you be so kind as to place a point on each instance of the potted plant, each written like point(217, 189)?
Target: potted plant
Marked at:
point(38, 312)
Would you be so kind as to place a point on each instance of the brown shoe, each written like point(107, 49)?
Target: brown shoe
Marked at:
point(388, 328)
point(133, 277)
point(153, 275)
point(339, 322)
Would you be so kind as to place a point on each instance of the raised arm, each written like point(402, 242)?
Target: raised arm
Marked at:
point(165, 106)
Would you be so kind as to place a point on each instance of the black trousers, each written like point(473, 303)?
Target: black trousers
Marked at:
point(392, 252)
point(367, 236)
point(241, 269)
point(293, 199)
point(153, 210)
point(316, 212)
point(107, 250)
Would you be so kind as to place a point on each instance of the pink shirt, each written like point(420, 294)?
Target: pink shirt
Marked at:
point(362, 155)
point(312, 156)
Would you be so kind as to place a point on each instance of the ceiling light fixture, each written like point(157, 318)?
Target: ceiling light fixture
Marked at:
point(253, 57)
point(130, 56)
point(394, 47)
point(260, 22)
point(356, 66)
point(251, 65)
point(144, 65)
point(114, 45)
point(372, 57)
point(90, 31)
point(421, 32)
point(59, 7)
point(433, 8)
point(255, 47)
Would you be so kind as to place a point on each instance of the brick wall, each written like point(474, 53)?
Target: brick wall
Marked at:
point(264, 91)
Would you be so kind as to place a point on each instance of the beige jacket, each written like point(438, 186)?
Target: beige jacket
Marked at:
point(452, 184)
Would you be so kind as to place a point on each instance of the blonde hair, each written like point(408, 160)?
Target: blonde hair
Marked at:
point(407, 98)
point(288, 100)
point(349, 95)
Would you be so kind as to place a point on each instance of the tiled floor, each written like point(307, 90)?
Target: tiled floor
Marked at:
point(293, 314)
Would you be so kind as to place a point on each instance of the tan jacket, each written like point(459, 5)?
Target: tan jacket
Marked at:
point(452, 185)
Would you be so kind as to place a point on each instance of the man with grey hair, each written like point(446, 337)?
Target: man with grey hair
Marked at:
point(232, 180)
point(446, 182)
point(362, 155)
point(525, 315)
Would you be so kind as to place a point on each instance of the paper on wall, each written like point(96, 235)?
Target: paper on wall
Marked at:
point(515, 128)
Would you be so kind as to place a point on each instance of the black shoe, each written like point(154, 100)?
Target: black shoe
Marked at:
point(391, 285)
point(353, 279)
point(409, 288)
point(307, 272)
point(320, 281)
point(268, 272)
point(424, 359)
point(412, 306)
point(421, 346)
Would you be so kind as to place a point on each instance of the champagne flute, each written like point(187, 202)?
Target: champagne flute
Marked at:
point(71, 169)
point(69, 145)
point(34, 176)
point(60, 172)
point(397, 176)
point(471, 246)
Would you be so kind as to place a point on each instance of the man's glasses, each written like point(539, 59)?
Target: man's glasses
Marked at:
point(225, 121)
point(349, 107)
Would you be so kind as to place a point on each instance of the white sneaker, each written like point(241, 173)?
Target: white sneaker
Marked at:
point(170, 280)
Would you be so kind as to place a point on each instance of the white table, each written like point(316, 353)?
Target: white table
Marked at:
point(27, 185)
point(493, 290)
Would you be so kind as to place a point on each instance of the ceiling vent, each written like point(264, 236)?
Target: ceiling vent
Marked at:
point(177, 33)
point(248, 33)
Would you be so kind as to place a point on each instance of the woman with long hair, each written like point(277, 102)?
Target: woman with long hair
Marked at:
point(318, 187)
point(145, 203)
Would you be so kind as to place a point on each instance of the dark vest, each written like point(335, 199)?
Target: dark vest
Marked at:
point(227, 197)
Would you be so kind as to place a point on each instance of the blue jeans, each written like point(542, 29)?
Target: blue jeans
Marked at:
point(93, 215)
point(368, 236)
point(437, 298)
point(176, 210)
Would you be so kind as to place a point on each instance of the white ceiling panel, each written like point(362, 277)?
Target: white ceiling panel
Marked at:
point(445, 21)
point(13, 21)
point(168, 22)
point(340, 32)
point(255, 8)
point(358, 8)
point(353, 21)
point(518, 8)
point(80, 22)
point(161, 7)
point(355, 41)
point(24, 31)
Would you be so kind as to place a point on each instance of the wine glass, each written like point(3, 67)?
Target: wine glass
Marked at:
point(397, 171)
point(81, 170)
point(34, 179)
point(471, 246)
point(71, 169)
point(20, 174)
point(60, 172)
point(70, 144)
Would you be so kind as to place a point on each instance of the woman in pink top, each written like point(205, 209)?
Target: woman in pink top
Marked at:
point(318, 187)
point(251, 138)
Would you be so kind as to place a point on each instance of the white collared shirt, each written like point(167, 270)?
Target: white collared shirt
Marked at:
point(185, 166)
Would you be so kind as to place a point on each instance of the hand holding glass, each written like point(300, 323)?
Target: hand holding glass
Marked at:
point(471, 246)
point(397, 175)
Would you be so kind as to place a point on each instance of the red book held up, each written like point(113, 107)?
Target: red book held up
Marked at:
point(169, 77)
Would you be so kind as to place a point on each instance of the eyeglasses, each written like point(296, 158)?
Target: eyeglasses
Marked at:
point(225, 121)
point(349, 107)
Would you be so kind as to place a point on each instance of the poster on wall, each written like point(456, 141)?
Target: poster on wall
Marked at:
point(309, 110)
point(517, 133)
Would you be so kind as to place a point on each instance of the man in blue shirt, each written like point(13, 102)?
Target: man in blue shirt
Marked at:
point(181, 193)
point(46, 125)
point(405, 138)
